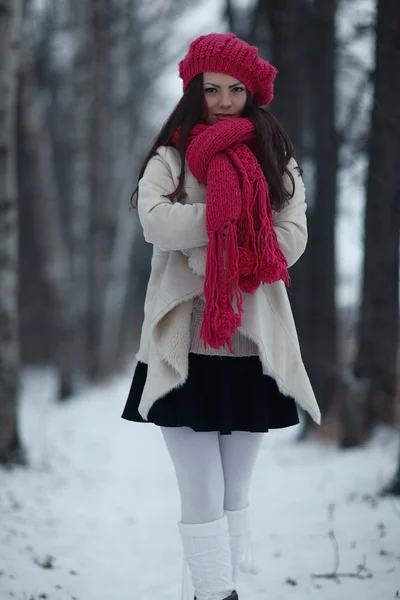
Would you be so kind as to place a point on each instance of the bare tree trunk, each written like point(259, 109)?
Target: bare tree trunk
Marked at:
point(10, 35)
point(230, 15)
point(82, 76)
point(126, 113)
point(393, 487)
point(352, 394)
point(323, 366)
point(101, 218)
point(54, 256)
point(379, 323)
point(289, 55)
point(249, 24)
point(289, 22)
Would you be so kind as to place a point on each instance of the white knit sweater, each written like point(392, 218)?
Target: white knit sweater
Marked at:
point(241, 345)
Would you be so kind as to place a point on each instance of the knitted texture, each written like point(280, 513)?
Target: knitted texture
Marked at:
point(225, 53)
point(207, 552)
point(241, 345)
point(243, 249)
point(240, 538)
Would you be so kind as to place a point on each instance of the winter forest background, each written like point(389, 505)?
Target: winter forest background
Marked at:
point(86, 84)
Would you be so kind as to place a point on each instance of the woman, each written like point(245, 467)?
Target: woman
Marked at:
point(221, 199)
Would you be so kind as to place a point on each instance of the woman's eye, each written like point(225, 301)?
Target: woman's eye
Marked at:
point(210, 90)
point(238, 89)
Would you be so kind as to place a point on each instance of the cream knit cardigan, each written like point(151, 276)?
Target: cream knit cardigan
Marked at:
point(179, 237)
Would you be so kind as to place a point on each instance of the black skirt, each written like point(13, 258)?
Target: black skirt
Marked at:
point(221, 393)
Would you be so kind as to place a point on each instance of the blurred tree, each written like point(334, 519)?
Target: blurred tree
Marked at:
point(290, 27)
point(10, 35)
point(393, 487)
point(80, 201)
point(50, 233)
point(102, 208)
point(379, 323)
point(44, 75)
point(323, 365)
point(288, 21)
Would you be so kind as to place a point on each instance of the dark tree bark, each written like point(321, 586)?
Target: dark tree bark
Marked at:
point(289, 55)
point(393, 487)
point(290, 34)
point(80, 201)
point(127, 47)
point(321, 249)
point(101, 209)
point(55, 267)
point(230, 15)
point(10, 35)
point(379, 321)
point(352, 393)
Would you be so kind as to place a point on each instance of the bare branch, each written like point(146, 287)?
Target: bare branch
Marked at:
point(362, 571)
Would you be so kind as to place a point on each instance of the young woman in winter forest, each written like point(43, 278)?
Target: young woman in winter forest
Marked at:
point(221, 199)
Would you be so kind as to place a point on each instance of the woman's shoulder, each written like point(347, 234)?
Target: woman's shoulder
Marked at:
point(166, 162)
point(170, 156)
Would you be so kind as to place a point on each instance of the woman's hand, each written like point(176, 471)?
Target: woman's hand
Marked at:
point(197, 258)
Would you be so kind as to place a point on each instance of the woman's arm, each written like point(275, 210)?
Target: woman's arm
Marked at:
point(291, 223)
point(168, 225)
point(290, 226)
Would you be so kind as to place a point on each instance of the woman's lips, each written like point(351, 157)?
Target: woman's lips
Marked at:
point(223, 116)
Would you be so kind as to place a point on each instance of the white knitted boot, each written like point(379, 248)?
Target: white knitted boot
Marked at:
point(239, 531)
point(208, 554)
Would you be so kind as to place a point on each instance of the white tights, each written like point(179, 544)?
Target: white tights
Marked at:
point(213, 471)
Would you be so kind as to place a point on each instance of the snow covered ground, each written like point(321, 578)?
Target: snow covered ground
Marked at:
point(94, 517)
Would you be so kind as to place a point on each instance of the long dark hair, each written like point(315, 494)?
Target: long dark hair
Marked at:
point(273, 147)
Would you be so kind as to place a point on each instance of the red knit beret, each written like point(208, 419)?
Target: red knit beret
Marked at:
point(225, 53)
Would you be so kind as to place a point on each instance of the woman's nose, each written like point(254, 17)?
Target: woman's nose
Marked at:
point(226, 101)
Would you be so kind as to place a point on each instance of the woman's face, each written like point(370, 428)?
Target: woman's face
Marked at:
point(225, 97)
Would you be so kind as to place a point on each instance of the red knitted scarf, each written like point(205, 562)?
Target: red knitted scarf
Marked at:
point(243, 250)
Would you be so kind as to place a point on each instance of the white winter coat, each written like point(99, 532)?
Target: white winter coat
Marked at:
point(178, 234)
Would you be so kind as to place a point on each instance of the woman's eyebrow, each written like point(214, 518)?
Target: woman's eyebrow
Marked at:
point(218, 86)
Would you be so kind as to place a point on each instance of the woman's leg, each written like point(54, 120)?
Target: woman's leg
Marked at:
point(196, 457)
point(239, 452)
point(204, 530)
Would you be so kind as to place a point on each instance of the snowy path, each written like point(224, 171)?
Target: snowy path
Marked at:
point(100, 500)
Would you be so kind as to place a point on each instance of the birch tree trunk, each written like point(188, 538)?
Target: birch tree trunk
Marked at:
point(10, 34)
point(379, 322)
